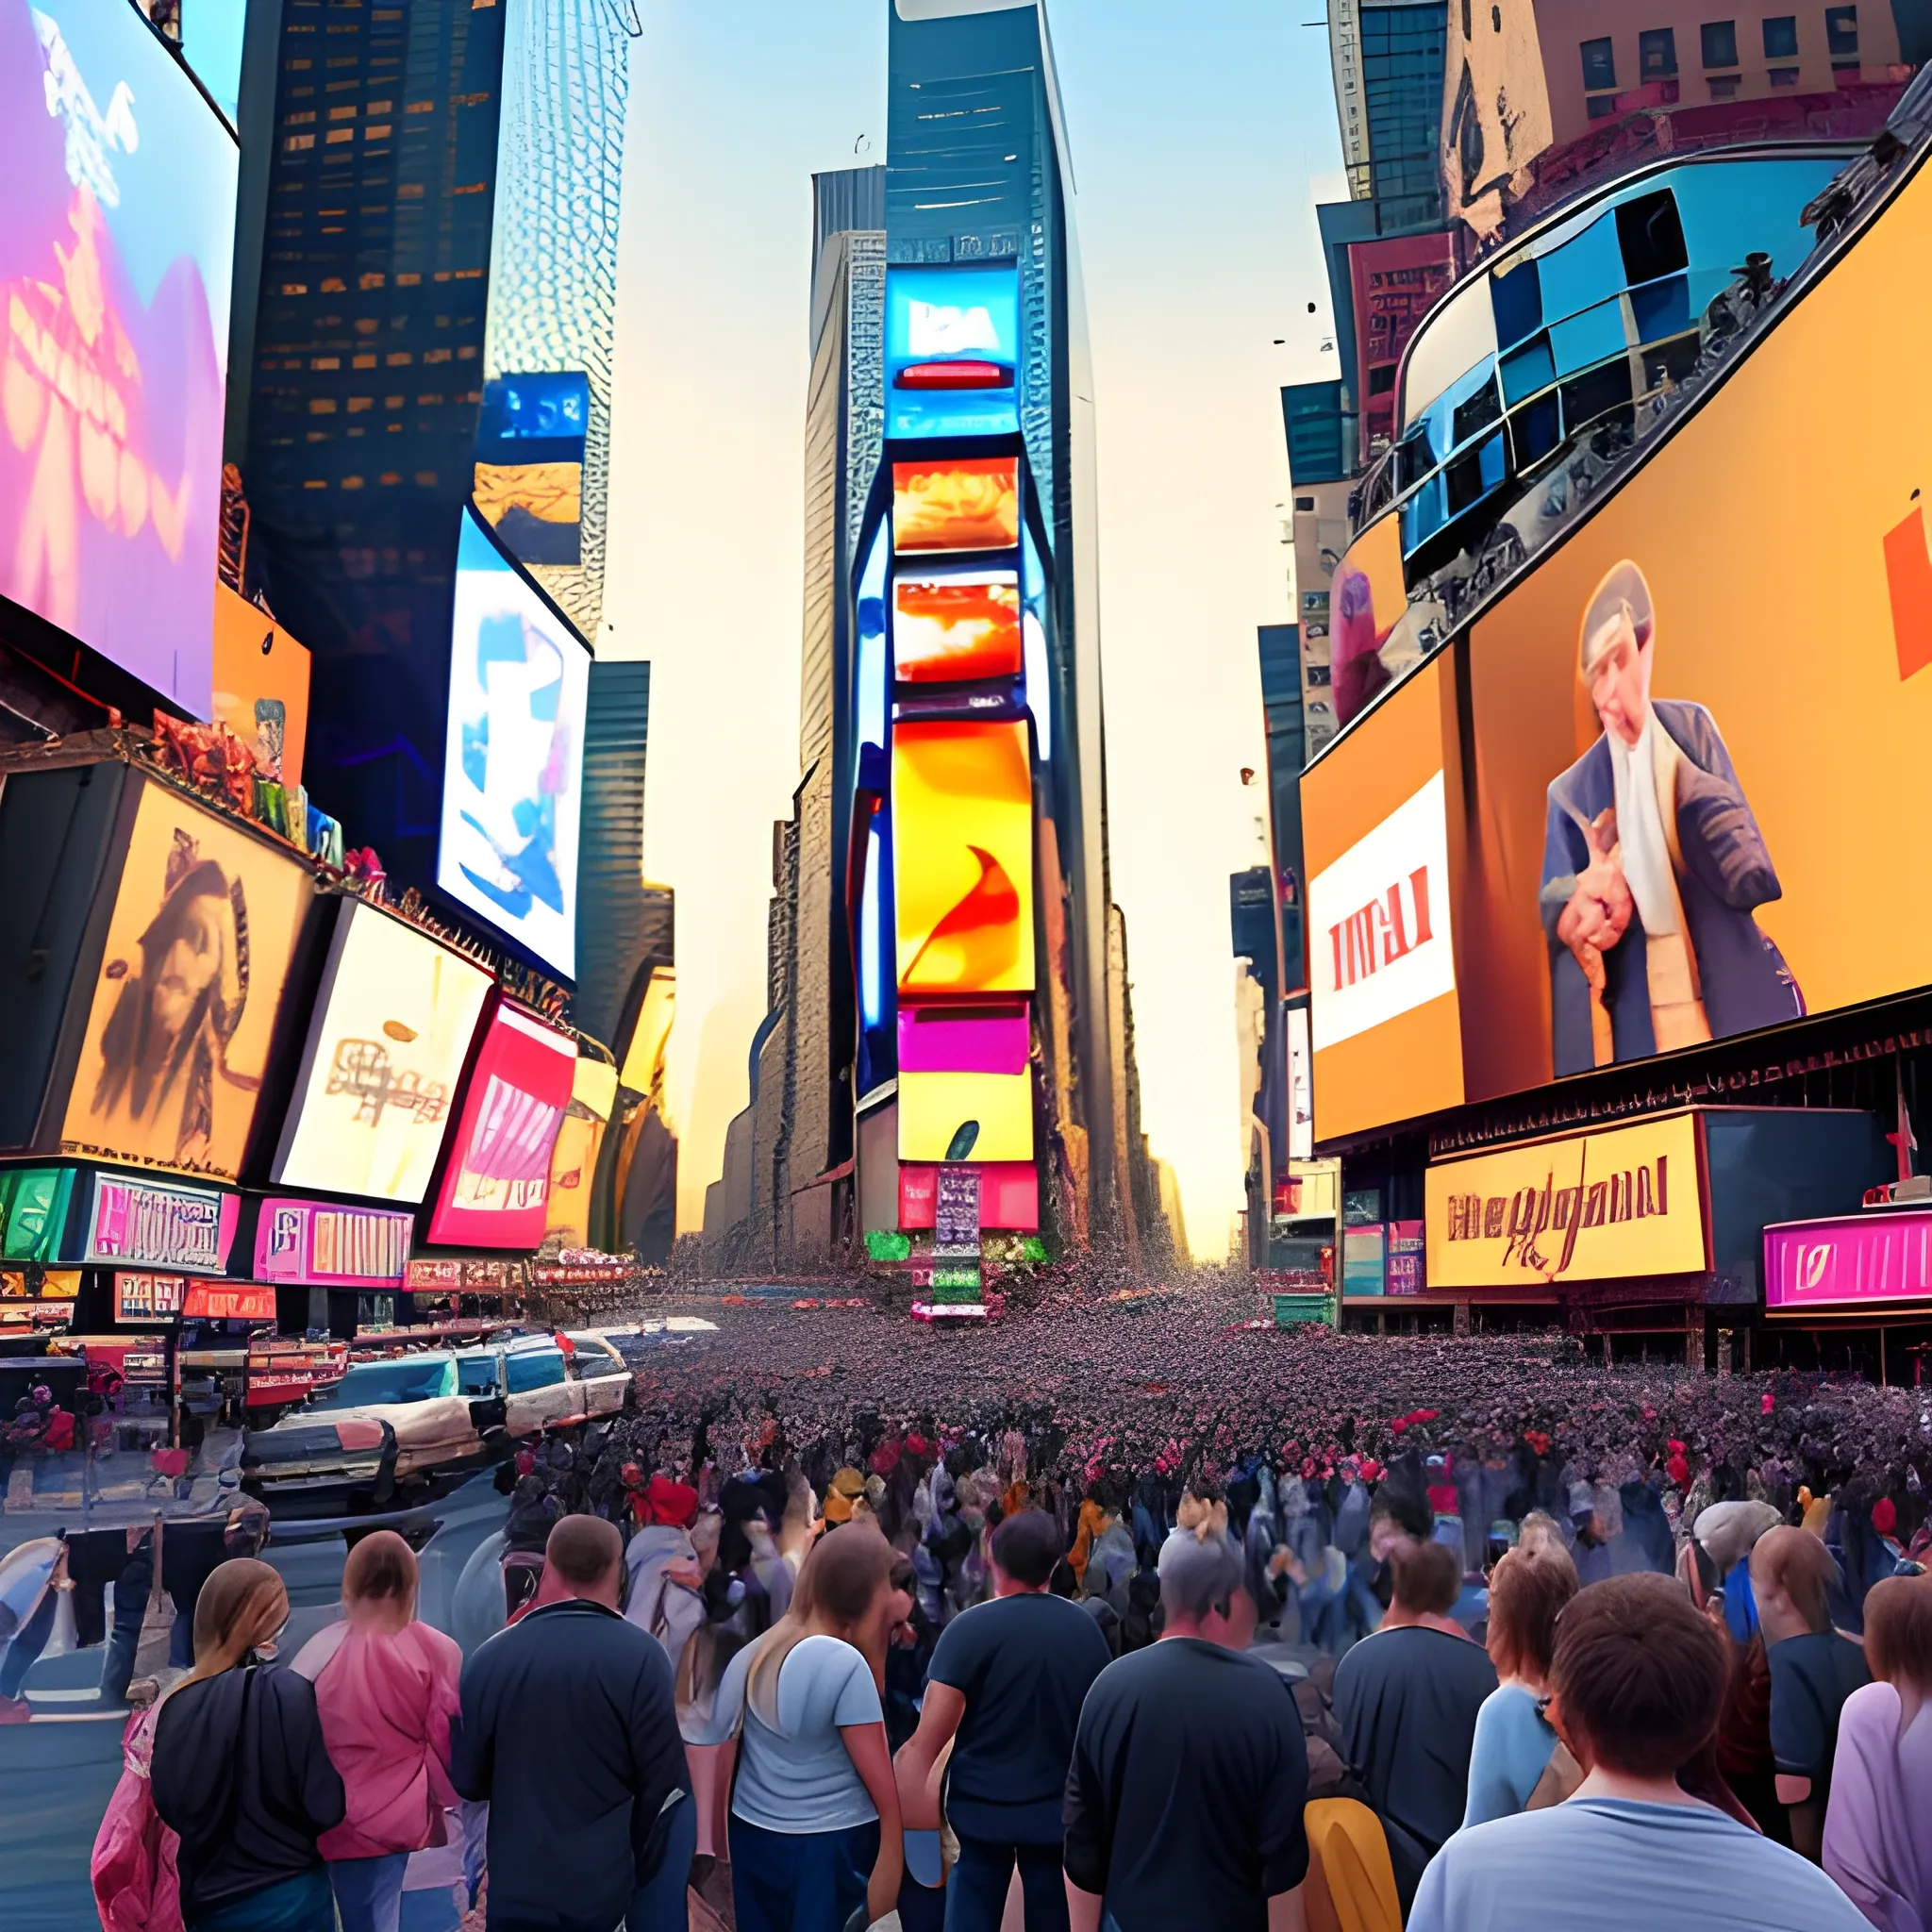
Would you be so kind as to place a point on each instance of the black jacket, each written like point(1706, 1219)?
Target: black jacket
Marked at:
point(240, 1774)
point(569, 1731)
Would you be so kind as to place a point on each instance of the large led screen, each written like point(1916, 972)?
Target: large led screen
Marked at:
point(199, 944)
point(962, 858)
point(969, 503)
point(965, 1117)
point(117, 240)
point(514, 762)
point(1687, 748)
point(394, 1022)
point(952, 352)
point(955, 626)
point(495, 1190)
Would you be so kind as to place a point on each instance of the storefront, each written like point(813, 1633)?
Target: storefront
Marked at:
point(1855, 1290)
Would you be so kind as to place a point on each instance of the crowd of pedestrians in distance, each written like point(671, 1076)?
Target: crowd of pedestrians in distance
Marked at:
point(1462, 1669)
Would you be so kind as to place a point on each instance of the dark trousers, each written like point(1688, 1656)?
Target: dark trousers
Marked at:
point(978, 1886)
point(799, 1882)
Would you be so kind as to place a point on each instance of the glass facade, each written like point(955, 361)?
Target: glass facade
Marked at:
point(1403, 52)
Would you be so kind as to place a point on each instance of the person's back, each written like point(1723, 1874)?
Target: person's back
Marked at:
point(569, 1731)
point(1639, 1677)
point(1407, 1699)
point(1189, 1770)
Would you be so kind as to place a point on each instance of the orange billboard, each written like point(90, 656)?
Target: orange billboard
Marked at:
point(962, 858)
point(1686, 750)
point(957, 626)
point(203, 928)
point(261, 685)
point(966, 503)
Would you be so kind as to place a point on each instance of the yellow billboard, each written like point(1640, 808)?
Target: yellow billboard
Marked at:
point(1626, 1202)
point(965, 1117)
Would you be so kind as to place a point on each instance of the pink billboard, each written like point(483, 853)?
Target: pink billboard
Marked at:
point(1881, 1257)
point(314, 1243)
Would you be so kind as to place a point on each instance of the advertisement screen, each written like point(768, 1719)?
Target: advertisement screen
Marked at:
point(318, 1244)
point(495, 1192)
point(33, 1212)
point(976, 1117)
point(957, 626)
point(394, 1022)
point(952, 352)
point(513, 763)
point(962, 859)
point(969, 503)
point(261, 685)
point(117, 240)
point(160, 1223)
point(573, 1162)
point(202, 935)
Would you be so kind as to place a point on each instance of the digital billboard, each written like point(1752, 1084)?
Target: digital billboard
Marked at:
point(1671, 819)
point(317, 1243)
point(573, 1161)
point(529, 475)
point(394, 1021)
point(199, 945)
point(494, 1192)
point(262, 686)
point(952, 351)
point(962, 858)
point(968, 502)
point(948, 1117)
point(160, 1223)
point(514, 762)
point(117, 239)
point(33, 1212)
point(954, 626)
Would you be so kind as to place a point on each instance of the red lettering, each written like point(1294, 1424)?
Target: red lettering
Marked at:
point(1382, 931)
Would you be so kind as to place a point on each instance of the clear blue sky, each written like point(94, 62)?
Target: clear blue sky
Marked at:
point(1201, 134)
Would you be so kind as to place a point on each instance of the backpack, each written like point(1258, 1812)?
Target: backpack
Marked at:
point(136, 1885)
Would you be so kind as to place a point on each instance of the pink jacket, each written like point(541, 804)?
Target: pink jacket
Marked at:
point(136, 1886)
point(386, 1702)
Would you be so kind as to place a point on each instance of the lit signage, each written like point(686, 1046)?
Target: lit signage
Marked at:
point(952, 626)
point(221, 1301)
point(952, 351)
point(33, 1211)
point(146, 1297)
point(157, 1224)
point(969, 503)
point(316, 1245)
point(1885, 1256)
point(1624, 1203)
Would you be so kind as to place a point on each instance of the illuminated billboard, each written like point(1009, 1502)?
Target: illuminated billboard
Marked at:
point(494, 1192)
point(954, 626)
point(529, 476)
point(394, 1022)
point(514, 762)
point(968, 502)
point(117, 238)
point(33, 1212)
point(317, 1243)
point(950, 1117)
point(963, 859)
point(952, 352)
point(262, 686)
point(160, 1223)
point(1670, 820)
point(573, 1162)
point(199, 944)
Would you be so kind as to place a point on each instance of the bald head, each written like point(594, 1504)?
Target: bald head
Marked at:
point(584, 1558)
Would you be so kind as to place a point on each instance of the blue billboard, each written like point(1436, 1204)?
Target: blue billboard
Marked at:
point(952, 352)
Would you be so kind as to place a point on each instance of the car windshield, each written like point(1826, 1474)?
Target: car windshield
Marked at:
point(412, 1379)
point(476, 1371)
point(533, 1368)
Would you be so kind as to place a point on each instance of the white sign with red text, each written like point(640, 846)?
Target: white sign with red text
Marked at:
point(1378, 923)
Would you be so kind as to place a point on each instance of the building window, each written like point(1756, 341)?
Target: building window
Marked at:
point(1841, 31)
point(1656, 54)
point(1784, 76)
point(1599, 67)
point(1601, 105)
point(1724, 86)
point(1781, 39)
point(1720, 42)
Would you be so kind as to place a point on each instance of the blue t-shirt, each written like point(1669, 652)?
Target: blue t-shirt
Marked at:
point(1614, 1863)
point(796, 1777)
point(1513, 1749)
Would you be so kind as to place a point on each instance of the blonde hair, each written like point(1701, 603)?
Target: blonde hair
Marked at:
point(838, 1584)
point(243, 1604)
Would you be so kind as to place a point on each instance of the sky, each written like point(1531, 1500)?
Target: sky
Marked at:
point(1202, 135)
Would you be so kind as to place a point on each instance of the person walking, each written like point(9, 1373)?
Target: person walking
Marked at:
point(1190, 1768)
point(1878, 1827)
point(814, 1830)
point(1517, 1762)
point(386, 1687)
point(1004, 1689)
point(240, 1770)
point(567, 1730)
point(1638, 1678)
point(1406, 1698)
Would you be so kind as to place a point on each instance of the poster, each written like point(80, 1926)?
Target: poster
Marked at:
point(202, 934)
point(262, 686)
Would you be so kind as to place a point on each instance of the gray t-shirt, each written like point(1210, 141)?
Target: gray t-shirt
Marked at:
point(797, 1778)
point(1674, 1867)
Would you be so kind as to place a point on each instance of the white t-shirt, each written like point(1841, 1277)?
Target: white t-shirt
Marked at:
point(799, 1779)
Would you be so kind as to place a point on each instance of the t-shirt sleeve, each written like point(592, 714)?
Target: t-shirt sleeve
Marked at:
point(1284, 1840)
point(1798, 1724)
point(1430, 1912)
point(1084, 1812)
point(857, 1701)
point(956, 1658)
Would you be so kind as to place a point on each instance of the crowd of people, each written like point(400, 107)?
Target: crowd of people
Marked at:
point(781, 1643)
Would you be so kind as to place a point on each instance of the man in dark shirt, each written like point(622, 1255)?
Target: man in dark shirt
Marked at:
point(1407, 1699)
point(1006, 1684)
point(1813, 1670)
point(569, 1731)
point(1184, 1799)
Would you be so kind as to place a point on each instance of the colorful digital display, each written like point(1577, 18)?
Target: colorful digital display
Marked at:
point(949, 1117)
point(969, 503)
point(513, 764)
point(159, 1225)
point(962, 1040)
point(262, 686)
point(955, 626)
point(529, 479)
point(962, 858)
point(1855, 1261)
point(394, 1022)
point(315, 1243)
point(952, 351)
point(33, 1212)
point(573, 1162)
point(495, 1191)
point(203, 933)
point(117, 238)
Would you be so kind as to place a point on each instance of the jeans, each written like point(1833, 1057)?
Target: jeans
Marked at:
point(977, 1890)
point(303, 1904)
point(662, 1903)
point(799, 1882)
point(368, 1891)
